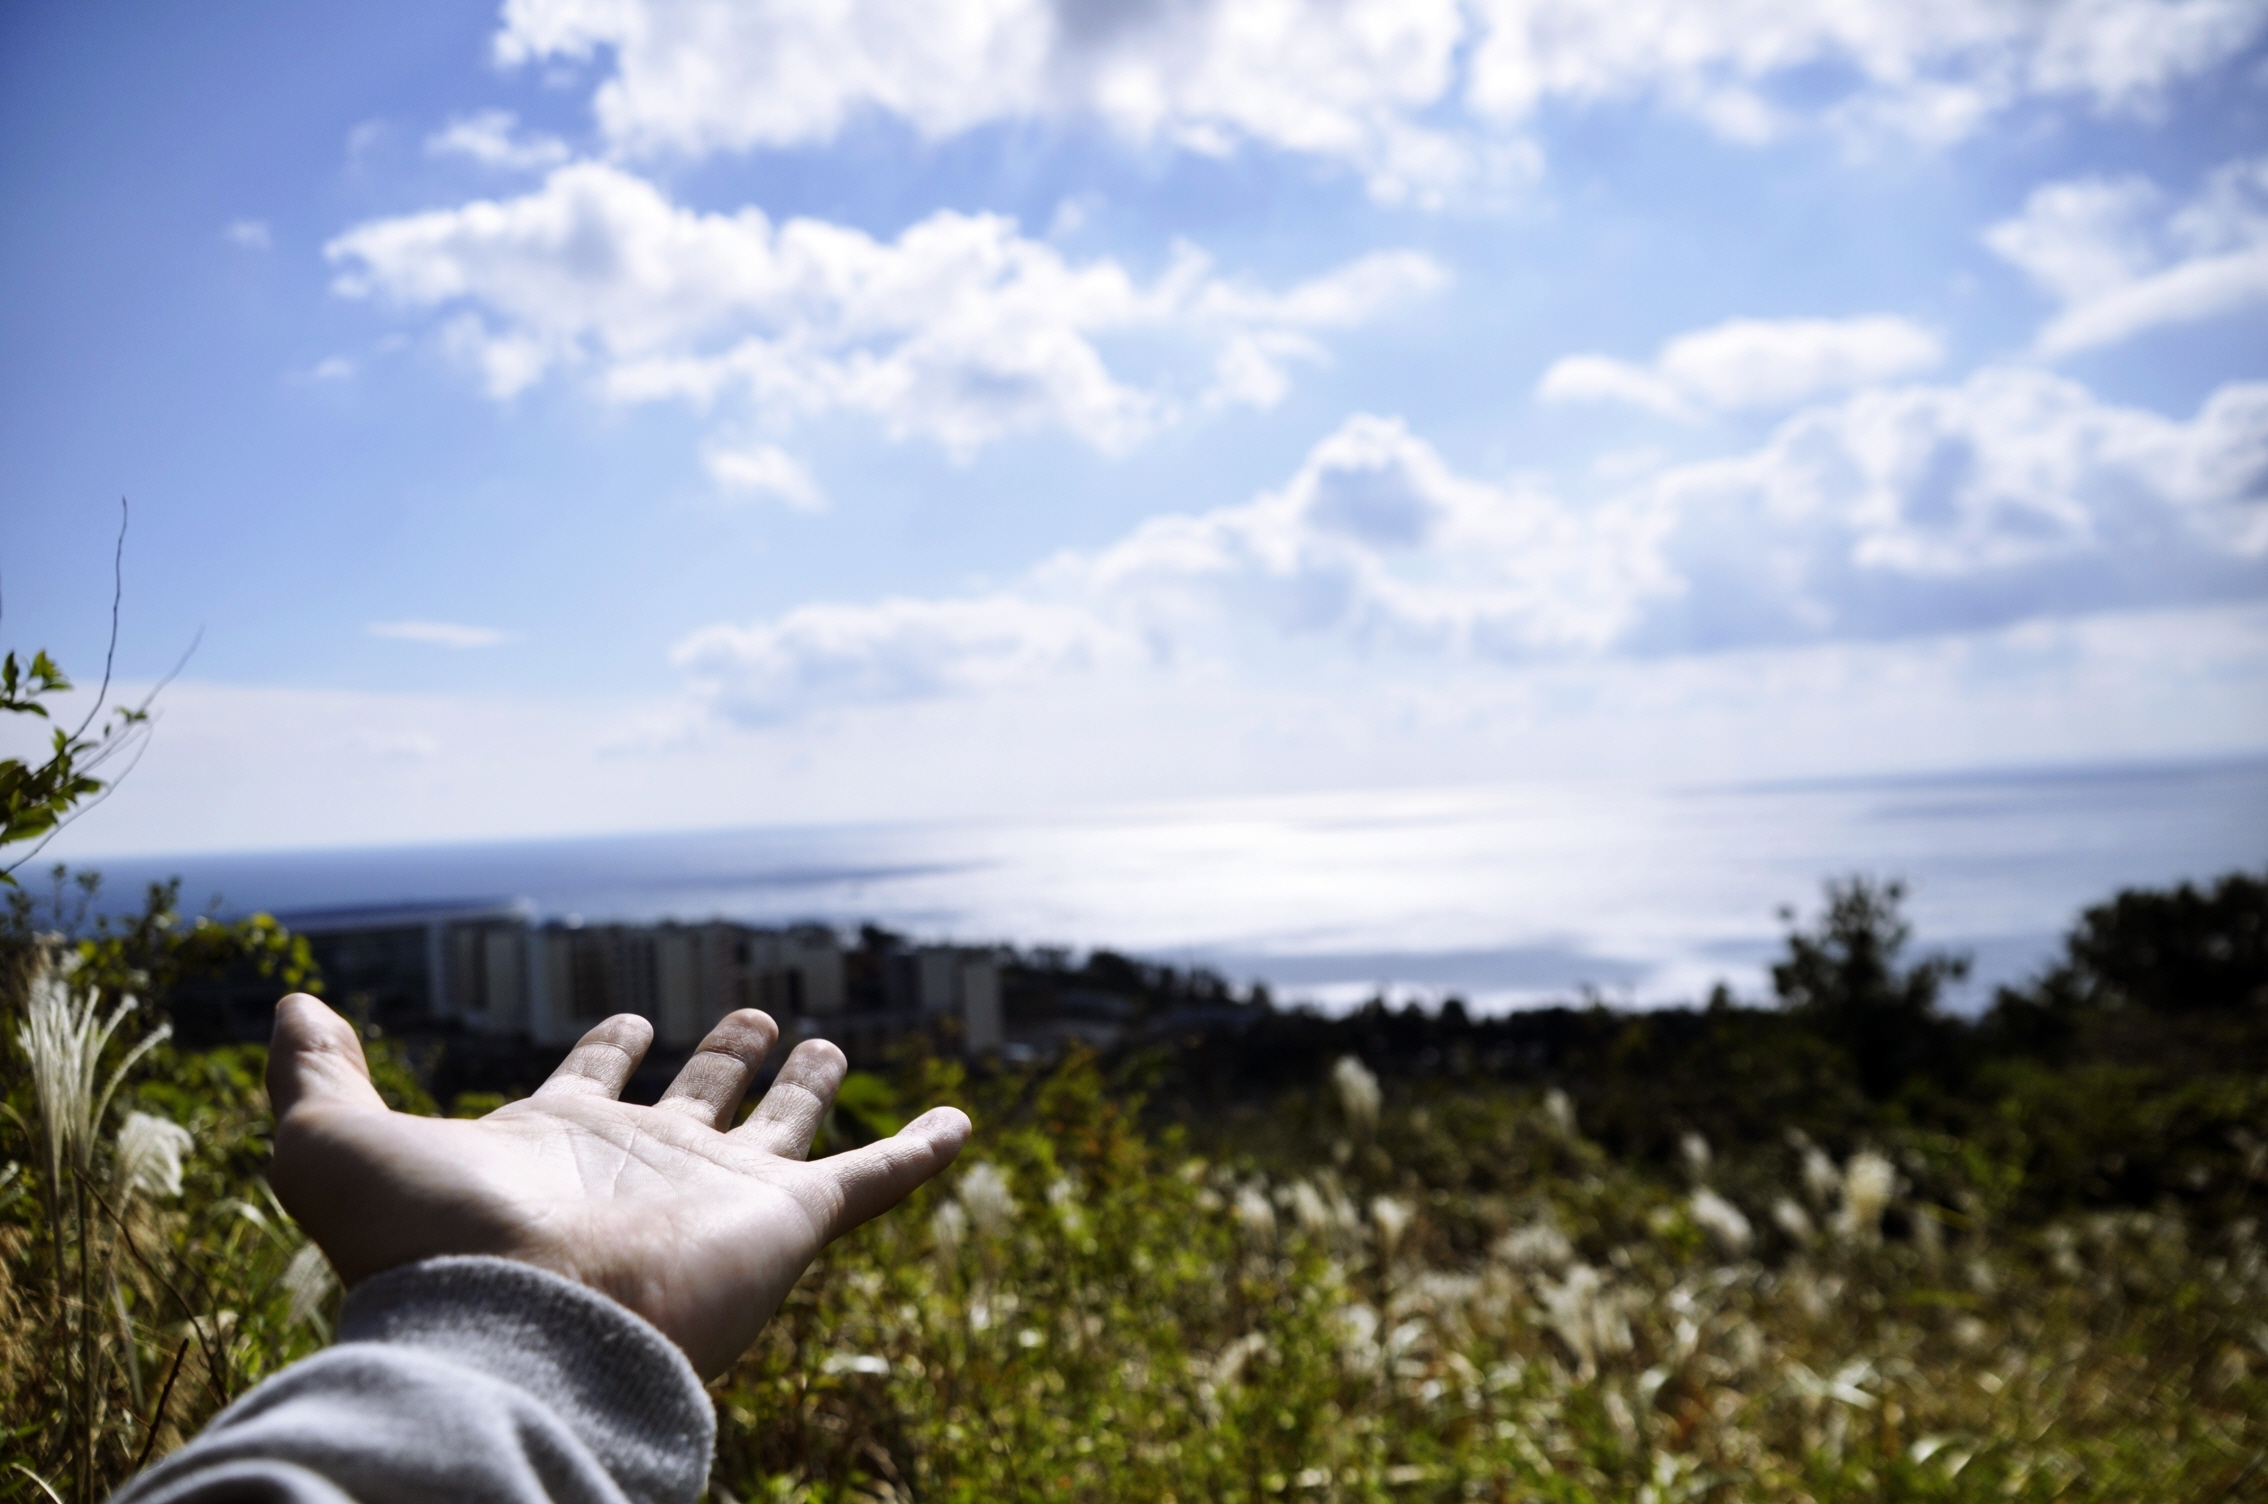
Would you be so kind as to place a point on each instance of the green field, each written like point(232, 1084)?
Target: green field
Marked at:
point(1835, 1248)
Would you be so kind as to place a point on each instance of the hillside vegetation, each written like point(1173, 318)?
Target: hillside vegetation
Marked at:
point(1838, 1247)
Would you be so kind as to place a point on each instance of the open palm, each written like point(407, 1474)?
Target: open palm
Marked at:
point(697, 1226)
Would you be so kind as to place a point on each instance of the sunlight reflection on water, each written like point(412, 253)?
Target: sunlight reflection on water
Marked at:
point(1506, 894)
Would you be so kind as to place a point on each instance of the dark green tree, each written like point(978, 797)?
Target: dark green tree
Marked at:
point(2183, 953)
point(2183, 950)
point(1848, 979)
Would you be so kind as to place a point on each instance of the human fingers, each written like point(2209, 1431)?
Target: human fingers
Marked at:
point(712, 1083)
point(800, 1096)
point(315, 1056)
point(867, 1182)
point(602, 1060)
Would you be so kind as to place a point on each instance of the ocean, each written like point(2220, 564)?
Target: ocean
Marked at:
point(1506, 896)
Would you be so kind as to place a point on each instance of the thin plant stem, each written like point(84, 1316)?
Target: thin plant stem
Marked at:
point(86, 1353)
point(126, 1335)
point(157, 1416)
point(55, 1218)
point(38, 1482)
point(215, 1374)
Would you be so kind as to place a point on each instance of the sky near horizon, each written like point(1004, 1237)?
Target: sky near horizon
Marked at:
point(604, 415)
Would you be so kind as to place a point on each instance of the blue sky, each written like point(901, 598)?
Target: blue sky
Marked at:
point(590, 415)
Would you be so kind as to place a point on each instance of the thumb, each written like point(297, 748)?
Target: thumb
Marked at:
point(868, 1182)
point(316, 1056)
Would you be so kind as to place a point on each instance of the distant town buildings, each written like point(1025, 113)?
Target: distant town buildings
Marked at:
point(494, 970)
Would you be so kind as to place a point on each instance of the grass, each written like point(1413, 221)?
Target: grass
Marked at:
point(1143, 1323)
point(145, 1267)
point(1402, 1290)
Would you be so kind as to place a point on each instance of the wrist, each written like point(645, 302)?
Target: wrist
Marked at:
point(625, 1389)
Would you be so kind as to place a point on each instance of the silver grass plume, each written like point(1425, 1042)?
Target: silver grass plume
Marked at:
point(1254, 1216)
point(991, 1207)
point(1722, 1221)
point(310, 1281)
point(63, 1037)
point(1391, 1218)
point(1869, 1181)
point(1359, 1096)
point(149, 1155)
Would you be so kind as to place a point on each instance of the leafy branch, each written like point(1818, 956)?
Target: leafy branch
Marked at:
point(38, 799)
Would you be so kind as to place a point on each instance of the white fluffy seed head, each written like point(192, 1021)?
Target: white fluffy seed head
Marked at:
point(950, 1227)
point(63, 1037)
point(991, 1206)
point(1822, 1182)
point(1359, 1096)
point(1868, 1182)
point(310, 1280)
point(1722, 1221)
point(1794, 1220)
point(1391, 1218)
point(149, 1155)
point(1254, 1216)
point(1536, 1245)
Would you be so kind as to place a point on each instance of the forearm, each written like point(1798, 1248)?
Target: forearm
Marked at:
point(461, 1378)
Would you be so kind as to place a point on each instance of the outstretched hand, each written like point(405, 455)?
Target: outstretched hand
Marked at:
point(699, 1227)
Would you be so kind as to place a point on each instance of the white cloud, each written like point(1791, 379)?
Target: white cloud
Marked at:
point(444, 634)
point(961, 330)
point(1602, 378)
point(1935, 69)
point(1897, 512)
point(1424, 98)
point(694, 76)
point(250, 234)
point(2083, 238)
point(822, 655)
point(1376, 541)
point(2122, 263)
point(2012, 495)
point(493, 139)
point(765, 470)
point(1750, 364)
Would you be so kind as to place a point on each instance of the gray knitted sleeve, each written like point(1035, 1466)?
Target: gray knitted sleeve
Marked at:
point(461, 1378)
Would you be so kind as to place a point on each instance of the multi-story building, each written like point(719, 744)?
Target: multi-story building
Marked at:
point(491, 969)
point(682, 976)
point(964, 985)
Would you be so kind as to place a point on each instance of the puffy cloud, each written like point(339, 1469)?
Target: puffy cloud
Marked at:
point(961, 330)
point(493, 139)
point(1602, 378)
point(1929, 508)
point(1902, 511)
point(1749, 363)
point(1931, 68)
point(1377, 541)
point(821, 655)
point(695, 76)
point(1414, 94)
point(2122, 262)
point(250, 234)
point(764, 470)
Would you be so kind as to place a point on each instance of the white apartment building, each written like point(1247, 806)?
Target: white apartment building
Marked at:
point(491, 969)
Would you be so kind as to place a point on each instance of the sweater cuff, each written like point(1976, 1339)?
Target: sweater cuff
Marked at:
point(624, 1388)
